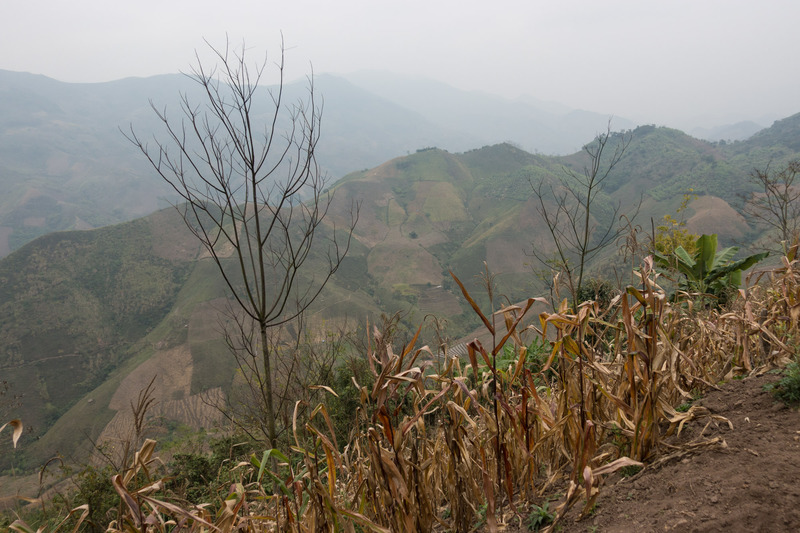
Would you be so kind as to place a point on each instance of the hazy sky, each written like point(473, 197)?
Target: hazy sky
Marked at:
point(671, 62)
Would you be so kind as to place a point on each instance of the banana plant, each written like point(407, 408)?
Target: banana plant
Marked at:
point(708, 271)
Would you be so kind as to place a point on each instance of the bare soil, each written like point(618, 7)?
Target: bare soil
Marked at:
point(749, 481)
point(715, 215)
point(172, 371)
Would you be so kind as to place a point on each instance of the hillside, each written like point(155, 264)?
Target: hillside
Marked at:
point(79, 303)
point(730, 132)
point(454, 211)
point(782, 139)
point(434, 211)
point(117, 305)
point(743, 482)
point(64, 164)
point(113, 308)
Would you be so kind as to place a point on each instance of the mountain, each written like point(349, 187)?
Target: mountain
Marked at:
point(782, 139)
point(77, 304)
point(728, 132)
point(90, 317)
point(536, 126)
point(362, 129)
point(113, 307)
point(64, 163)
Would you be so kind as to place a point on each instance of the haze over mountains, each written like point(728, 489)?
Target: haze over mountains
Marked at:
point(113, 306)
point(64, 164)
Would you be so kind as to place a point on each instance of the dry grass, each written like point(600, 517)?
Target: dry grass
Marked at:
point(448, 444)
point(404, 262)
point(715, 215)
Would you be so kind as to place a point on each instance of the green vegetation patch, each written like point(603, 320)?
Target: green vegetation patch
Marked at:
point(353, 274)
point(426, 165)
point(497, 159)
point(76, 301)
point(90, 414)
point(213, 365)
point(442, 202)
point(203, 284)
point(787, 389)
point(393, 264)
point(393, 214)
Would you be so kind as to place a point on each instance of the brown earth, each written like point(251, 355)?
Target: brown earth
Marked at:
point(748, 481)
point(438, 301)
point(171, 375)
point(171, 371)
point(715, 215)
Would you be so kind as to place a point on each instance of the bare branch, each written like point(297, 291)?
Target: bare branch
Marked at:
point(252, 194)
point(775, 205)
point(569, 214)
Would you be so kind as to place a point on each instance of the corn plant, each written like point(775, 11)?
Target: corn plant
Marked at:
point(16, 426)
point(440, 442)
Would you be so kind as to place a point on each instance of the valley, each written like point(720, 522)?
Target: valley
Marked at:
point(89, 303)
point(104, 291)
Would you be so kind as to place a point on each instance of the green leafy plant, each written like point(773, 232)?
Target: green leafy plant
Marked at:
point(539, 517)
point(345, 404)
point(672, 232)
point(95, 489)
point(708, 271)
point(630, 471)
point(600, 290)
point(481, 516)
point(787, 389)
point(536, 355)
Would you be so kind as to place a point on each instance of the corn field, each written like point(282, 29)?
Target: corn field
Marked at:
point(460, 444)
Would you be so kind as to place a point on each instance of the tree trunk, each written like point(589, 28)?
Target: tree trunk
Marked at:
point(267, 388)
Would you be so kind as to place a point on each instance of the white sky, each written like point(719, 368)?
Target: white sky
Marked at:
point(672, 62)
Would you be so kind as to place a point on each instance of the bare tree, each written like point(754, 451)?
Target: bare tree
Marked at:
point(304, 359)
point(254, 195)
point(568, 212)
point(775, 204)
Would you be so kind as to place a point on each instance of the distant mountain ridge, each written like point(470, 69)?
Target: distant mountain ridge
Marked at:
point(539, 127)
point(729, 132)
point(65, 165)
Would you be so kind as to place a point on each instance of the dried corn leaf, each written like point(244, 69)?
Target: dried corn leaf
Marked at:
point(16, 424)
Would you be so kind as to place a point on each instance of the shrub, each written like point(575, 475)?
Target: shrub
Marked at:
point(600, 290)
point(95, 488)
point(787, 389)
point(344, 407)
point(708, 271)
point(539, 517)
point(192, 475)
